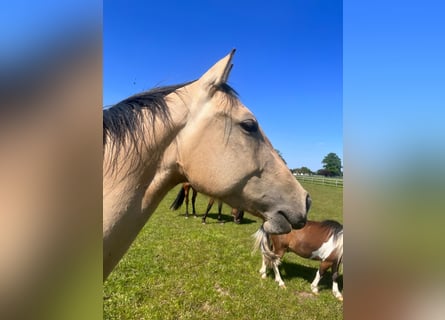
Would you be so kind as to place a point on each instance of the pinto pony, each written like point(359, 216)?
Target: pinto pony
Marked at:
point(317, 241)
point(191, 132)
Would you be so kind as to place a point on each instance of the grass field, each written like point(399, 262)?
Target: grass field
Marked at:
point(181, 269)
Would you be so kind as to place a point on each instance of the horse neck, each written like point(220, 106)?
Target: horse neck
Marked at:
point(139, 159)
point(132, 194)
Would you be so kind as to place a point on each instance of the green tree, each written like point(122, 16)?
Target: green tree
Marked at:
point(303, 170)
point(332, 165)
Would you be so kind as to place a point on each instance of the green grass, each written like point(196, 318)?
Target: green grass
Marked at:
point(181, 269)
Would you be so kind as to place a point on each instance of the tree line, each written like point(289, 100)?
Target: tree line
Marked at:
point(331, 167)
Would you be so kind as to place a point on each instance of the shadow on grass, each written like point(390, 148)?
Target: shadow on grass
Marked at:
point(213, 218)
point(290, 270)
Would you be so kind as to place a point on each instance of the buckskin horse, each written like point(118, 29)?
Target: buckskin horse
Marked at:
point(191, 132)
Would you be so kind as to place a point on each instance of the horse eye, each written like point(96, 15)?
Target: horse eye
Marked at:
point(249, 125)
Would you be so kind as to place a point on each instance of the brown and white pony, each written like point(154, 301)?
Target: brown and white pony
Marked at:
point(191, 132)
point(317, 241)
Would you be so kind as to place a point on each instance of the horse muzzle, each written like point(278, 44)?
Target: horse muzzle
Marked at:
point(299, 224)
point(283, 221)
point(280, 224)
point(277, 225)
point(297, 221)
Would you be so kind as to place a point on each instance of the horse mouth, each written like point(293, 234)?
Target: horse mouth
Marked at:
point(280, 223)
point(296, 225)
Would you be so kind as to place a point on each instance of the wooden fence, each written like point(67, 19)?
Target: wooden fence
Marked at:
point(335, 182)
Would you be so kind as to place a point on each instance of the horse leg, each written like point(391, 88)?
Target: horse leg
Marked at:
point(335, 290)
point(209, 206)
point(263, 270)
point(219, 210)
point(235, 214)
point(275, 264)
point(194, 194)
point(238, 215)
point(314, 284)
point(186, 189)
point(324, 265)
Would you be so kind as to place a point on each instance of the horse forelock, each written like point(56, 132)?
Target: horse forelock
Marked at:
point(227, 89)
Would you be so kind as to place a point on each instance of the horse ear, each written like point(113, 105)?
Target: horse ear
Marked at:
point(219, 73)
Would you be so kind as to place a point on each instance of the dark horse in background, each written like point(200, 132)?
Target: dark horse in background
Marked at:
point(184, 193)
point(317, 241)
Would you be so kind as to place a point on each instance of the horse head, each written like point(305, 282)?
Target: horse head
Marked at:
point(223, 152)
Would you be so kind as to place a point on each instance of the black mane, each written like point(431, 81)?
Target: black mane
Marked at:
point(335, 226)
point(125, 120)
point(126, 117)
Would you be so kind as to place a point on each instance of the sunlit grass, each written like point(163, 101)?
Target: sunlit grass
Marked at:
point(181, 269)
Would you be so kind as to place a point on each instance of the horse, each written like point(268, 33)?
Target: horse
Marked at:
point(183, 194)
point(156, 139)
point(316, 240)
point(237, 214)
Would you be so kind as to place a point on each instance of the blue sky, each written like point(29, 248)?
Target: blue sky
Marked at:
point(28, 28)
point(394, 83)
point(287, 68)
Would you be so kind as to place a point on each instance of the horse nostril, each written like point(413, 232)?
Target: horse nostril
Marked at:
point(308, 202)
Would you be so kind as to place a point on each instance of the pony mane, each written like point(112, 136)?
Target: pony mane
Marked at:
point(335, 227)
